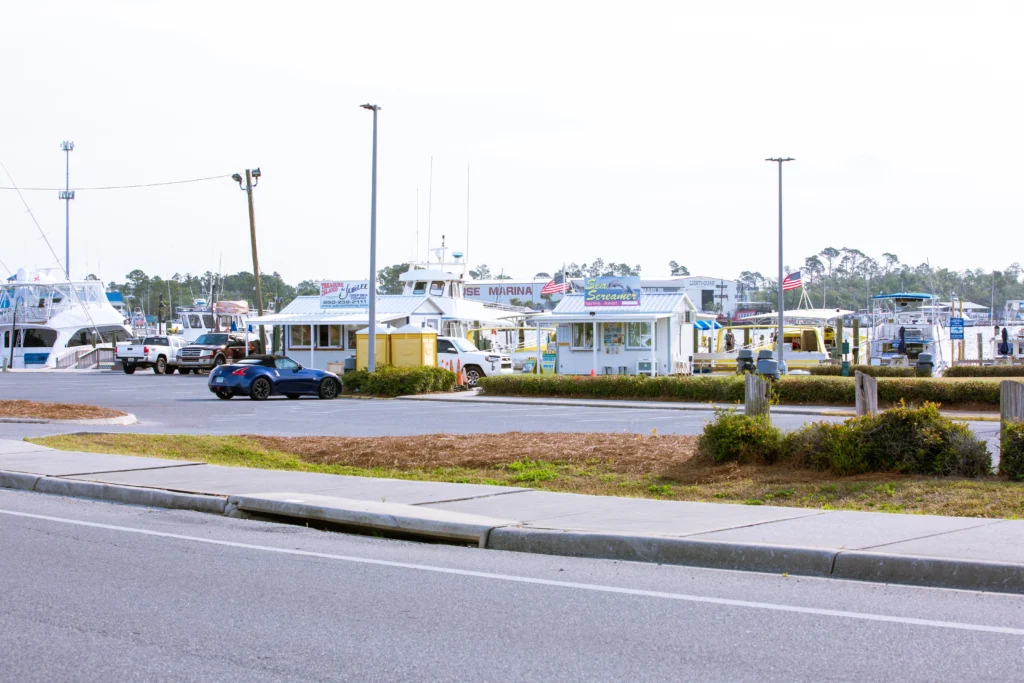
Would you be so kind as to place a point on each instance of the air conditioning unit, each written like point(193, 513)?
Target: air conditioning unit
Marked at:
point(645, 367)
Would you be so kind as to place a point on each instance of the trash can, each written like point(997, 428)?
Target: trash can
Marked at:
point(745, 361)
point(767, 365)
point(925, 365)
point(350, 364)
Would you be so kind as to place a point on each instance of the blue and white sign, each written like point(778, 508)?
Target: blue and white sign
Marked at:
point(611, 291)
point(956, 329)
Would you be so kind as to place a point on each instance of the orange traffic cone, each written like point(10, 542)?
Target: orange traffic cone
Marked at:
point(593, 373)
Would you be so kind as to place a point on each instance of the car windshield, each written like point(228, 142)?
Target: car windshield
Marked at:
point(463, 345)
point(213, 339)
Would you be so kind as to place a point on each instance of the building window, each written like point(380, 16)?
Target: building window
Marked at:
point(436, 288)
point(582, 335)
point(638, 335)
point(299, 336)
point(328, 336)
point(352, 338)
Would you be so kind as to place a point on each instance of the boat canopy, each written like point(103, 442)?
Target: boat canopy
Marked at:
point(907, 296)
point(804, 314)
point(707, 325)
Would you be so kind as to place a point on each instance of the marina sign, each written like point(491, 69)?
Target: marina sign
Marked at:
point(612, 291)
point(348, 294)
point(956, 328)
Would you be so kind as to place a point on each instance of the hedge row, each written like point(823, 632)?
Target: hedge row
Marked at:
point(390, 381)
point(873, 370)
point(729, 389)
point(906, 440)
point(985, 371)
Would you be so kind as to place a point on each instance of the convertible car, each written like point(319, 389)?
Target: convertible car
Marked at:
point(261, 376)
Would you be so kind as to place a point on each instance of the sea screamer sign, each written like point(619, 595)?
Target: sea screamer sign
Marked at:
point(348, 294)
point(611, 291)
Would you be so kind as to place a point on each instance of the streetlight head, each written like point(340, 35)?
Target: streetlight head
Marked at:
point(256, 172)
point(371, 107)
point(67, 145)
point(237, 178)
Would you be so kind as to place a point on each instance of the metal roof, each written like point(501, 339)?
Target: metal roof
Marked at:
point(306, 310)
point(650, 303)
point(913, 296)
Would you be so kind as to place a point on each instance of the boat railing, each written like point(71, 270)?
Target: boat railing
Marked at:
point(24, 314)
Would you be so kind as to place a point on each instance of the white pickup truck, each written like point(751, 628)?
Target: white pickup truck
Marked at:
point(454, 353)
point(159, 353)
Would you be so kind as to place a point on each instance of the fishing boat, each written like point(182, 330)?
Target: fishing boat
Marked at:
point(909, 324)
point(47, 321)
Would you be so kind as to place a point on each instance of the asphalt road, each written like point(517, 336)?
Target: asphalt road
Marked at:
point(99, 592)
point(183, 404)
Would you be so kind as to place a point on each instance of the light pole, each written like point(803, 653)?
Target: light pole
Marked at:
point(250, 174)
point(782, 303)
point(371, 360)
point(67, 195)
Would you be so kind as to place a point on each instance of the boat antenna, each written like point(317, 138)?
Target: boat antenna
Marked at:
point(466, 260)
point(6, 268)
point(430, 205)
point(416, 253)
point(56, 259)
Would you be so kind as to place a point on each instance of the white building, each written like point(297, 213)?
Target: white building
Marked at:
point(617, 339)
point(504, 291)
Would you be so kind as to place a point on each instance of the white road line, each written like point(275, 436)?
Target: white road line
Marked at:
point(864, 616)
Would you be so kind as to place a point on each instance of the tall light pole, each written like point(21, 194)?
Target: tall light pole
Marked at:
point(250, 174)
point(67, 195)
point(371, 360)
point(782, 303)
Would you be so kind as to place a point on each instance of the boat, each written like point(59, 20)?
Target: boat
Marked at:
point(909, 324)
point(47, 321)
point(221, 316)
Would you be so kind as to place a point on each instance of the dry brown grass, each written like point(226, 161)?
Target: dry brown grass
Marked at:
point(55, 411)
point(642, 466)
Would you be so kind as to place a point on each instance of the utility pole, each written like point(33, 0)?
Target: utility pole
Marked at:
point(250, 174)
point(782, 302)
point(371, 360)
point(67, 195)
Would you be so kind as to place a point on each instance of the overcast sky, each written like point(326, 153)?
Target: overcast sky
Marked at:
point(632, 131)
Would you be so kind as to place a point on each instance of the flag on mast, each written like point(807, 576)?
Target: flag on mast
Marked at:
point(557, 285)
point(792, 281)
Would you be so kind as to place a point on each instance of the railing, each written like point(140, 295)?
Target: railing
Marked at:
point(86, 358)
point(70, 360)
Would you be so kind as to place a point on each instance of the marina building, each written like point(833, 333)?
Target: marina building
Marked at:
point(708, 294)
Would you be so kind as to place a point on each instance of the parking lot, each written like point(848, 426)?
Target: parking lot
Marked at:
point(183, 404)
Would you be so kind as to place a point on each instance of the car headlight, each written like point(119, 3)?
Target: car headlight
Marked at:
point(206, 353)
point(492, 359)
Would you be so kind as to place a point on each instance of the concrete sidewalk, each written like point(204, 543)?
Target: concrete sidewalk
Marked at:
point(981, 554)
point(476, 396)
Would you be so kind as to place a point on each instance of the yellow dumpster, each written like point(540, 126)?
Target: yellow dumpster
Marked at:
point(363, 347)
point(413, 346)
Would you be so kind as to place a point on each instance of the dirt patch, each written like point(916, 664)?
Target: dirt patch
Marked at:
point(55, 411)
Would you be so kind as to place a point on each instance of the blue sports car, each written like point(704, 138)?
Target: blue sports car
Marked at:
point(261, 376)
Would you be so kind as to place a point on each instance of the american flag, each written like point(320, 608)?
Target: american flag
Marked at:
point(792, 281)
point(557, 286)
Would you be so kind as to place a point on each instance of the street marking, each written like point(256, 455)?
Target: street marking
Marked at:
point(598, 588)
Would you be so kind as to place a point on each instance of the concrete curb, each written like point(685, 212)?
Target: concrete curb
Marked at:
point(122, 420)
point(499, 534)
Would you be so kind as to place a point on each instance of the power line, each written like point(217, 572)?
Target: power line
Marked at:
point(119, 187)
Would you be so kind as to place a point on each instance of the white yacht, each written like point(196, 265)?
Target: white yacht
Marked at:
point(909, 324)
point(49, 322)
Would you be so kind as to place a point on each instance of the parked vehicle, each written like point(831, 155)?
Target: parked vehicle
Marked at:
point(214, 349)
point(261, 376)
point(159, 353)
point(455, 353)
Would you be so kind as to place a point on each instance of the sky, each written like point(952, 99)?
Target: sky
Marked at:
point(634, 132)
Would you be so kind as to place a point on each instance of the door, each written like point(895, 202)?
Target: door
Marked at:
point(292, 379)
point(447, 354)
point(235, 349)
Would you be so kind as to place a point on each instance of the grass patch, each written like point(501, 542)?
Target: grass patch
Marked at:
point(55, 411)
point(658, 467)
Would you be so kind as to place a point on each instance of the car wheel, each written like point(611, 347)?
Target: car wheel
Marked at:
point(292, 396)
point(184, 371)
point(473, 375)
point(224, 394)
point(260, 389)
point(328, 389)
point(160, 366)
point(129, 368)
point(219, 360)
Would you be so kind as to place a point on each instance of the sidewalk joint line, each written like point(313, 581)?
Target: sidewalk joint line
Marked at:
point(869, 548)
point(134, 469)
point(486, 495)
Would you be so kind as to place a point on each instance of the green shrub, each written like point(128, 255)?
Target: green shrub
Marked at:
point(985, 371)
point(733, 436)
point(729, 389)
point(1011, 456)
point(873, 370)
point(902, 439)
point(391, 381)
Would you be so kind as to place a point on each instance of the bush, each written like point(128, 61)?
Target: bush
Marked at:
point(390, 381)
point(729, 389)
point(985, 371)
point(907, 440)
point(1011, 457)
point(733, 436)
point(873, 370)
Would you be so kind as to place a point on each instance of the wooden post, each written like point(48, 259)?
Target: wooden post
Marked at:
point(746, 337)
point(866, 388)
point(855, 343)
point(755, 394)
point(981, 354)
point(1011, 401)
